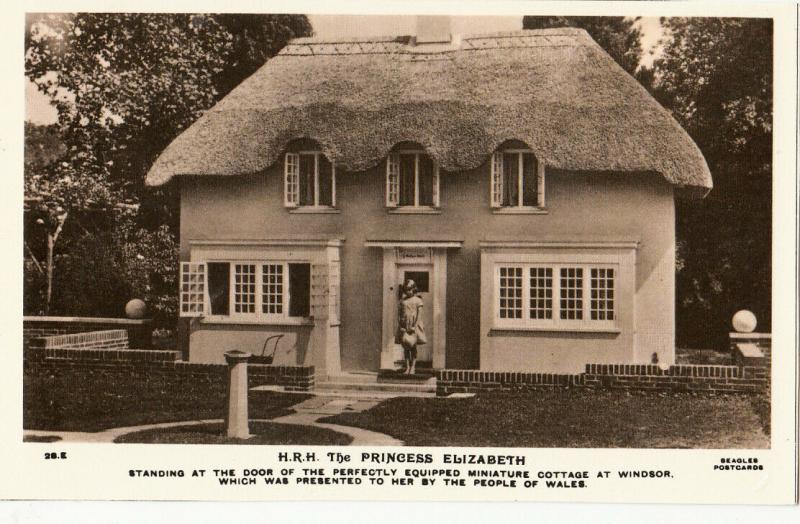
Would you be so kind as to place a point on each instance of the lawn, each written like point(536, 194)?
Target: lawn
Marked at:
point(570, 418)
point(268, 433)
point(75, 400)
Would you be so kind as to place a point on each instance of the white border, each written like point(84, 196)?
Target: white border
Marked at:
point(94, 470)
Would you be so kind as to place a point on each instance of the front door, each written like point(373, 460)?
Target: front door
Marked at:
point(427, 267)
point(422, 275)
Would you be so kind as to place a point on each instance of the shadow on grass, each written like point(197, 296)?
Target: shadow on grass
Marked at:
point(264, 433)
point(94, 400)
point(40, 438)
point(568, 418)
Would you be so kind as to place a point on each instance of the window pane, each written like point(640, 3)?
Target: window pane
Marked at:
point(272, 289)
point(541, 298)
point(325, 182)
point(219, 287)
point(529, 182)
point(425, 180)
point(192, 288)
point(299, 290)
point(420, 278)
point(510, 292)
point(244, 296)
point(571, 293)
point(602, 302)
point(306, 180)
point(510, 179)
point(407, 168)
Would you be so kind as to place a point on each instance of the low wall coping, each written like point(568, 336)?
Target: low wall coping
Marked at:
point(749, 350)
point(86, 336)
point(750, 336)
point(90, 320)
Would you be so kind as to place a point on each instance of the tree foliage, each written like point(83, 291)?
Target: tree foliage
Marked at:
point(715, 74)
point(124, 86)
point(618, 35)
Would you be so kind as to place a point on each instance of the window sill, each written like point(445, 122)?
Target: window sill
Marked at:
point(414, 210)
point(517, 210)
point(304, 321)
point(552, 329)
point(314, 210)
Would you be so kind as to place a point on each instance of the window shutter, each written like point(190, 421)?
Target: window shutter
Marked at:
point(435, 184)
point(291, 187)
point(497, 180)
point(392, 180)
point(540, 182)
point(334, 279)
point(319, 291)
point(333, 185)
point(193, 289)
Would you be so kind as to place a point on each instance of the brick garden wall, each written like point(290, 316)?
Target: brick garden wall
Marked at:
point(641, 377)
point(109, 339)
point(41, 358)
point(139, 331)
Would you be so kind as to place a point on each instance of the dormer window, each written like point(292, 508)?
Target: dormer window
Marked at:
point(412, 181)
point(517, 182)
point(309, 181)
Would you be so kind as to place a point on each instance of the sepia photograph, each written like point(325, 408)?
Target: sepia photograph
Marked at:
point(407, 230)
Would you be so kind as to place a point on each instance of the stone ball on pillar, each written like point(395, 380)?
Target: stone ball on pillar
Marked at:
point(744, 321)
point(135, 308)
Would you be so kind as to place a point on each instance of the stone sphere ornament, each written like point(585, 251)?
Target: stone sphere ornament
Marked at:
point(135, 308)
point(744, 321)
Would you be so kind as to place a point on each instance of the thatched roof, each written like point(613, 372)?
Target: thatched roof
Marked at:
point(554, 89)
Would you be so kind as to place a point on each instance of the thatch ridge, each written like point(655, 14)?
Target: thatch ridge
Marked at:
point(554, 89)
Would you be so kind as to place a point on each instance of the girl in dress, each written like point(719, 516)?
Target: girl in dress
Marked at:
point(410, 332)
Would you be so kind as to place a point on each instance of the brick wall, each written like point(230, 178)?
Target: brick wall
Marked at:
point(473, 381)
point(108, 339)
point(160, 364)
point(139, 331)
point(712, 379)
point(641, 377)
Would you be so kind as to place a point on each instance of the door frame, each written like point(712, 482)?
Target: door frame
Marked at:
point(430, 328)
point(394, 258)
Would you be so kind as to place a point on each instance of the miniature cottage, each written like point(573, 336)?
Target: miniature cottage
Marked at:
point(524, 180)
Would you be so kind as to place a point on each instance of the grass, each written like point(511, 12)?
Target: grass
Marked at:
point(88, 400)
point(268, 433)
point(569, 418)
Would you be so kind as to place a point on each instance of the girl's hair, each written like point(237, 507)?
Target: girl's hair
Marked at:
point(410, 286)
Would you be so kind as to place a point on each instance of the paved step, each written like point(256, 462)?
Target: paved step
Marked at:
point(371, 394)
point(354, 377)
point(398, 377)
point(377, 386)
point(350, 393)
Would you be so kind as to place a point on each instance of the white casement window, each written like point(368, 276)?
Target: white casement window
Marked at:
point(517, 180)
point(266, 291)
point(193, 289)
point(601, 305)
point(309, 180)
point(412, 180)
point(555, 296)
point(244, 294)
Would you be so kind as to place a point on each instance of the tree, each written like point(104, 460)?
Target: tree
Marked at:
point(124, 86)
point(618, 35)
point(55, 191)
point(715, 74)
